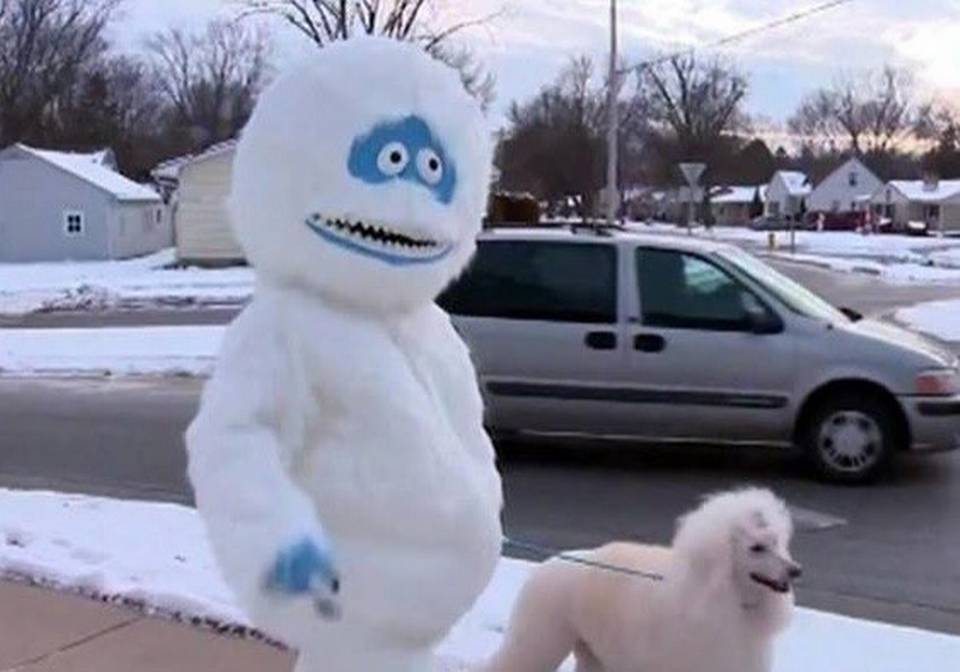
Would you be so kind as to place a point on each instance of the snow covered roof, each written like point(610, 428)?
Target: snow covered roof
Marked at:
point(795, 181)
point(918, 190)
point(88, 167)
point(738, 194)
point(170, 169)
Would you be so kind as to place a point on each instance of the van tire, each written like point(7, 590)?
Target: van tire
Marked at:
point(850, 437)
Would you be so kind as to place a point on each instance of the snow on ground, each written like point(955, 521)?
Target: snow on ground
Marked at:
point(110, 351)
point(895, 273)
point(937, 318)
point(904, 260)
point(157, 556)
point(947, 258)
point(152, 553)
point(148, 281)
point(26, 288)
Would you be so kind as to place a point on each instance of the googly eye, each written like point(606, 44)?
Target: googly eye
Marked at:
point(393, 158)
point(430, 166)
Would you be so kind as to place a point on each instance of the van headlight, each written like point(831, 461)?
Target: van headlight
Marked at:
point(938, 383)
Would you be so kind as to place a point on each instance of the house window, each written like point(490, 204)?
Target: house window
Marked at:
point(73, 223)
point(852, 179)
point(931, 213)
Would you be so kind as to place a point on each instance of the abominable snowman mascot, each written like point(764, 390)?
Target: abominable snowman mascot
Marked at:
point(339, 458)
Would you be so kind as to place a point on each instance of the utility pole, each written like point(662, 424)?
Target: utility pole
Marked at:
point(613, 122)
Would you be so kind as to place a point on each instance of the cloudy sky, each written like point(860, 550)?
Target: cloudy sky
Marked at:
point(531, 40)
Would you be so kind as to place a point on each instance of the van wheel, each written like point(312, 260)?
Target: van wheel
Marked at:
point(850, 438)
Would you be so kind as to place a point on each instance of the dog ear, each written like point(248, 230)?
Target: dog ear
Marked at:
point(704, 547)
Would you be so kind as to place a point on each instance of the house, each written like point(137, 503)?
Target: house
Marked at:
point(845, 189)
point(932, 201)
point(57, 206)
point(731, 206)
point(202, 183)
point(786, 194)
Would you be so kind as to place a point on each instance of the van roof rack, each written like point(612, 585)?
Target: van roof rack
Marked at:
point(596, 228)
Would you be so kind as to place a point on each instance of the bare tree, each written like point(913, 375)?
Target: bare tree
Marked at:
point(695, 102)
point(871, 112)
point(325, 21)
point(211, 78)
point(554, 147)
point(44, 47)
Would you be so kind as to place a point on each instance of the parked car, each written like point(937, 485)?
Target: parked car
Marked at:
point(769, 223)
point(838, 221)
point(676, 339)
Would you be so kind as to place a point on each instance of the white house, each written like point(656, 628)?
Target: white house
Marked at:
point(57, 206)
point(845, 189)
point(935, 202)
point(731, 205)
point(786, 193)
point(202, 183)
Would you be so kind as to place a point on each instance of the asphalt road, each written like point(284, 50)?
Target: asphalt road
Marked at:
point(865, 293)
point(890, 552)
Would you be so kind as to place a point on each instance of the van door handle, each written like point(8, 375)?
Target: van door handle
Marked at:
point(649, 343)
point(601, 340)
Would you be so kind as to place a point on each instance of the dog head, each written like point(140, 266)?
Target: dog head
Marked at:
point(744, 535)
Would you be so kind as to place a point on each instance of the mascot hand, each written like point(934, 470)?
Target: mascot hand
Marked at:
point(306, 568)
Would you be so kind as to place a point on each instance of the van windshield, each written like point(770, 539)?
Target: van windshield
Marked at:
point(792, 295)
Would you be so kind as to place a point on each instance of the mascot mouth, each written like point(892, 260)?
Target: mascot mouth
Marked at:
point(775, 586)
point(378, 241)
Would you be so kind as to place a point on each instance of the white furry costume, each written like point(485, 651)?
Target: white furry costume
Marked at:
point(344, 415)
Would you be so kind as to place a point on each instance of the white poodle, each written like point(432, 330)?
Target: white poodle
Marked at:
point(724, 595)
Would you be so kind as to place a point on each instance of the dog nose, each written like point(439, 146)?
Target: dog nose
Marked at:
point(795, 572)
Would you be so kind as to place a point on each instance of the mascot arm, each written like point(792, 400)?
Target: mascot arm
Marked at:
point(257, 516)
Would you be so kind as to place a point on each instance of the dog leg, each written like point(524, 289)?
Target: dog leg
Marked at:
point(540, 635)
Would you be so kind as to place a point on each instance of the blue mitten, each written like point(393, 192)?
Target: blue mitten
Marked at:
point(306, 568)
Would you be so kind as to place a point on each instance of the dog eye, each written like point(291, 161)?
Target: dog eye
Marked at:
point(758, 548)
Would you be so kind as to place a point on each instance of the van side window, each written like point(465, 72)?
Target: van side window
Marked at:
point(685, 291)
point(538, 280)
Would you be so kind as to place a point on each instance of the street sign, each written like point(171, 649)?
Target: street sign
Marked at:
point(692, 172)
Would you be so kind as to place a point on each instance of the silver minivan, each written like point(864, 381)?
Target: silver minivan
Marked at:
point(614, 334)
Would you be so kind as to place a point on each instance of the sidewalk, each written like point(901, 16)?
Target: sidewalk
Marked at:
point(45, 631)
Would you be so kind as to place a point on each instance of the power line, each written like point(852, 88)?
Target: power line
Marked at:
point(744, 34)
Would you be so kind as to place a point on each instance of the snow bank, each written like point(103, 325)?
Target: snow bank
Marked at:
point(145, 281)
point(900, 260)
point(894, 273)
point(937, 318)
point(152, 553)
point(157, 556)
point(110, 351)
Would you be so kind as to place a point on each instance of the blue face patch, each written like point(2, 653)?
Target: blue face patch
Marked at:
point(404, 150)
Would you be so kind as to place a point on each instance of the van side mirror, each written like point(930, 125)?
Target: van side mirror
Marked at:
point(761, 319)
point(852, 314)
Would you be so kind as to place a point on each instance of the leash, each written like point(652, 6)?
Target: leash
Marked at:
point(548, 552)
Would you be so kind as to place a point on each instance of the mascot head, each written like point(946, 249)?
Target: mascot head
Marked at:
point(363, 176)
